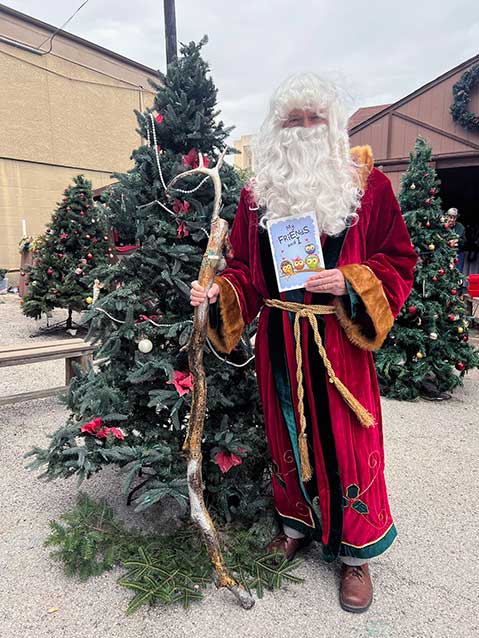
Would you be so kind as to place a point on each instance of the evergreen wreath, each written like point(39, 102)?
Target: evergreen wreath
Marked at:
point(462, 96)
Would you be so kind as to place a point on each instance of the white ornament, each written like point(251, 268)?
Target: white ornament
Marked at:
point(413, 186)
point(145, 345)
point(433, 336)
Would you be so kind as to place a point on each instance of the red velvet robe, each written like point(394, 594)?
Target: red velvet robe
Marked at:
point(345, 504)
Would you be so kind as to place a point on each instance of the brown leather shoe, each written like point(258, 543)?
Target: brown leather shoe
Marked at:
point(356, 590)
point(287, 546)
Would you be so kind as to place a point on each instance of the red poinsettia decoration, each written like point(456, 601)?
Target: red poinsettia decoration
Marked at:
point(191, 159)
point(181, 207)
point(226, 460)
point(183, 382)
point(95, 428)
point(182, 231)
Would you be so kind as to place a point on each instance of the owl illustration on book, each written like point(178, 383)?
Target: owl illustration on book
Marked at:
point(298, 263)
point(312, 262)
point(310, 248)
point(287, 268)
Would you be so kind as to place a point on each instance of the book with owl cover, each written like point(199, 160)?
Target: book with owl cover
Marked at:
point(296, 249)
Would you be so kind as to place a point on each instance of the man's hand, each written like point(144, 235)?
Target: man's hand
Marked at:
point(329, 281)
point(198, 294)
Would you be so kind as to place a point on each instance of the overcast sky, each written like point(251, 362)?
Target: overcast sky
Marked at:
point(378, 51)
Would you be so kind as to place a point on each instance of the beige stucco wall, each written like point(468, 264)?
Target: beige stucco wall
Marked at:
point(59, 118)
point(245, 158)
point(30, 191)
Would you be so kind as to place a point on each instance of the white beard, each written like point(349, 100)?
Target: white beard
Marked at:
point(299, 172)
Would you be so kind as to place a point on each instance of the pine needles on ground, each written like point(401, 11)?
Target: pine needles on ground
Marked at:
point(161, 569)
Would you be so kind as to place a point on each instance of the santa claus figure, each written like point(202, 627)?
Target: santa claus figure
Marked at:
point(314, 344)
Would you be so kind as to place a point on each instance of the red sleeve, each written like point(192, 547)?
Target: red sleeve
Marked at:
point(239, 301)
point(384, 280)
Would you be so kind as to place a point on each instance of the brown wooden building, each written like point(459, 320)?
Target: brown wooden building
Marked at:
point(392, 129)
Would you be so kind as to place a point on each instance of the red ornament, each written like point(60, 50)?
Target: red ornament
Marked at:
point(446, 225)
point(451, 317)
point(465, 338)
point(54, 292)
point(26, 283)
point(433, 191)
point(452, 243)
point(460, 365)
point(427, 202)
point(22, 274)
point(453, 291)
point(49, 271)
point(434, 278)
point(110, 250)
point(68, 208)
point(442, 272)
point(64, 236)
point(456, 260)
point(82, 214)
point(89, 256)
point(412, 309)
point(60, 255)
point(48, 230)
point(159, 118)
point(105, 237)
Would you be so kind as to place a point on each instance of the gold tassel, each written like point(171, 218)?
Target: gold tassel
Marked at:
point(364, 416)
point(306, 471)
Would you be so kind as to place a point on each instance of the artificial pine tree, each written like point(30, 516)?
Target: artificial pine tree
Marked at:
point(427, 352)
point(132, 410)
point(74, 243)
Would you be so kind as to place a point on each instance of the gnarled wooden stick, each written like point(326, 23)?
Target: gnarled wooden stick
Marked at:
point(192, 445)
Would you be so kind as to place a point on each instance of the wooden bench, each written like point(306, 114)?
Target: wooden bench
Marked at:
point(72, 350)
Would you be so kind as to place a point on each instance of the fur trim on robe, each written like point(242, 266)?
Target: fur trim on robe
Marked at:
point(232, 324)
point(369, 328)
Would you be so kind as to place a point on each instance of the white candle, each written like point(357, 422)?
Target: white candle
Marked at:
point(24, 228)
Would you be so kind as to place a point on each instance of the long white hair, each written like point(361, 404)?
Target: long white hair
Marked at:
point(307, 169)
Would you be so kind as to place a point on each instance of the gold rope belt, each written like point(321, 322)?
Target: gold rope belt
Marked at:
point(309, 312)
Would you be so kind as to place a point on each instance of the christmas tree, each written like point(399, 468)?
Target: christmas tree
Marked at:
point(427, 352)
point(132, 410)
point(75, 243)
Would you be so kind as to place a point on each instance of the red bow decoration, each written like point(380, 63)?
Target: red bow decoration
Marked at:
point(227, 460)
point(95, 428)
point(181, 207)
point(182, 231)
point(183, 382)
point(191, 159)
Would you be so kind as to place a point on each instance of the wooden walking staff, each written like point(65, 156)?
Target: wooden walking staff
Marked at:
point(192, 446)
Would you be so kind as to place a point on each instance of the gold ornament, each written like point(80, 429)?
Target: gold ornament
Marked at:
point(460, 330)
point(431, 247)
point(419, 355)
point(89, 300)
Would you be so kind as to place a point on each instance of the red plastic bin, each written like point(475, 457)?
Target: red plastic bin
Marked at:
point(473, 287)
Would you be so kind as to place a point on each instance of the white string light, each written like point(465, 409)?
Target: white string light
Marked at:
point(182, 323)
